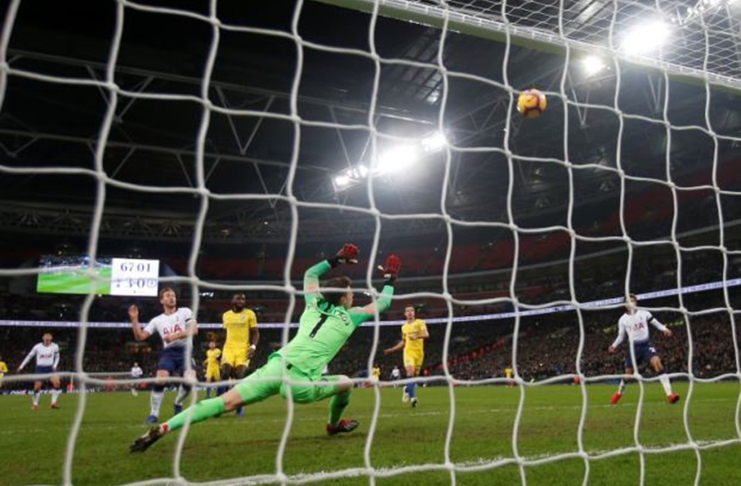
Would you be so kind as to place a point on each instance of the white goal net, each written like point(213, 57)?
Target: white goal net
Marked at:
point(671, 45)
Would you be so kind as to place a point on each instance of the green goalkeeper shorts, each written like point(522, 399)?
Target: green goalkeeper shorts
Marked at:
point(253, 391)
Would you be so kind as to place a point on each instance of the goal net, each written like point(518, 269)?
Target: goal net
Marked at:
point(642, 106)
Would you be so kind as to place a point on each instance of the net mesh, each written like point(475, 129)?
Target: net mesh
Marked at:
point(708, 50)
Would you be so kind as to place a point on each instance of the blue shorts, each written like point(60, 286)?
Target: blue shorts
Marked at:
point(644, 352)
point(172, 360)
point(44, 370)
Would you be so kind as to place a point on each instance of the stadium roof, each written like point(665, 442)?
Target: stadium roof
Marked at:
point(153, 140)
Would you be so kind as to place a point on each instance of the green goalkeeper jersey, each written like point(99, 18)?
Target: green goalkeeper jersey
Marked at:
point(324, 328)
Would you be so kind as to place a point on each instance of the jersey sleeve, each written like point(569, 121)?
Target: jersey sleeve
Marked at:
point(151, 327)
point(359, 315)
point(217, 354)
point(311, 281)
point(422, 327)
point(30, 355)
point(253, 320)
point(621, 334)
point(56, 357)
point(187, 315)
point(654, 322)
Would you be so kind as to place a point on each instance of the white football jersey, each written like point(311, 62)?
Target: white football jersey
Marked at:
point(45, 355)
point(167, 324)
point(136, 372)
point(636, 326)
point(395, 373)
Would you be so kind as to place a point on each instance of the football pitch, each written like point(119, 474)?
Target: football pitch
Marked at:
point(32, 444)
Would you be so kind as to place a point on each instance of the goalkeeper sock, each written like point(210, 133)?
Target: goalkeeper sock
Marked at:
point(208, 392)
point(198, 412)
point(337, 406)
point(158, 393)
point(665, 383)
point(621, 387)
point(183, 392)
point(412, 390)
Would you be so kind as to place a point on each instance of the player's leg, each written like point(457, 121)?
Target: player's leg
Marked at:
point(36, 394)
point(621, 386)
point(408, 364)
point(56, 390)
point(335, 387)
point(183, 391)
point(158, 394)
point(239, 373)
point(226, 370)
point(658, 368)
point(209, 375)
point(244, 393)
point(412, 368)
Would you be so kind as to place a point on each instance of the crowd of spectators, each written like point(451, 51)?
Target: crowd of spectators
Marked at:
point(547, 346)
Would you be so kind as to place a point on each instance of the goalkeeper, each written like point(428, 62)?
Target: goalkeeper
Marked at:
point(326, 324)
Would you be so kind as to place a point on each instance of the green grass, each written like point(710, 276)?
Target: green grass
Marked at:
point(32, 443)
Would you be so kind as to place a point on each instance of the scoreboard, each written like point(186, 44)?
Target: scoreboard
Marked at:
point(109, 276)
point(130, 276)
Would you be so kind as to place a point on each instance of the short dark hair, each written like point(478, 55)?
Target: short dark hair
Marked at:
point(337, 283)
point(631, 297)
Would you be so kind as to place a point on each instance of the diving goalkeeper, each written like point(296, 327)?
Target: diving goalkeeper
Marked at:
point(326, 323)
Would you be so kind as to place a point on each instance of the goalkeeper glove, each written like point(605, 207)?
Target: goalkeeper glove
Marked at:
point(391, 269)
point(348, 254)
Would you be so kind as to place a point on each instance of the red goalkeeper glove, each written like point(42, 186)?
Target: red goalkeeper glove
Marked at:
point(391, 269)
point(348, 254)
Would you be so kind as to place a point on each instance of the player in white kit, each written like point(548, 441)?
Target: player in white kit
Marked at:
point(635, 323)
point(395, 375)
point(47, 360)
point(175, 326)
point(136, 373)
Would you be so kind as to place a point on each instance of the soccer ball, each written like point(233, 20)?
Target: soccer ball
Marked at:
point(531, 103)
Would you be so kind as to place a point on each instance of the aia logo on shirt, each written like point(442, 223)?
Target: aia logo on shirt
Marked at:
point(174, 329)
point(638, 326)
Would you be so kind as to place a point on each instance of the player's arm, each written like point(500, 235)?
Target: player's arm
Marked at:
point(56, 360)
point(139, 333)
point(655, 322)
point(348, 254)
point(395, 348)
point(619, 339)
point(390, 273)
point(30, 356)
point(254, 337)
